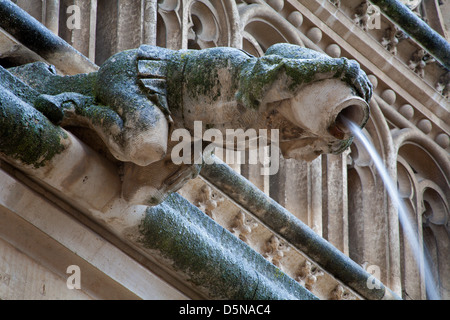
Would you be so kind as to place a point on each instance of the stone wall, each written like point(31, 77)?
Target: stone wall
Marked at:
point(340, 197)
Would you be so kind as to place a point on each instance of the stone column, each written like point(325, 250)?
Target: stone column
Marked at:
point(78, 24)
point(120, 28)
point(150, 14)
point(334, 204)
point(52, 15)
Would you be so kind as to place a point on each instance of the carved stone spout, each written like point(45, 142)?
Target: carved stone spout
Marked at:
point(130, 107)
point(318, 110)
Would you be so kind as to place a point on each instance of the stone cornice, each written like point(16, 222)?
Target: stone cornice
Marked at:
point(394, 81)
point(371, 54)
point(407, 20)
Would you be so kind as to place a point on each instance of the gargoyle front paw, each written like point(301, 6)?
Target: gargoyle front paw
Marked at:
point(358, 79)
point(63, 106)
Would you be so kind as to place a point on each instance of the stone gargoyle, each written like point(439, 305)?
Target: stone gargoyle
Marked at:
point(138, 97)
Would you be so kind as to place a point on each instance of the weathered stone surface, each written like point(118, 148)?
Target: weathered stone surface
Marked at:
point(292, 229)
point(362, 219)
point(212, 258)
point(28, 137)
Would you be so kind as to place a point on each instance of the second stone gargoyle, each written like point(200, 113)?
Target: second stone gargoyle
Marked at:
point(138, 97)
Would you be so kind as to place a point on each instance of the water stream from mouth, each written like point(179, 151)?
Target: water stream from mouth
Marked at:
point(407, 225)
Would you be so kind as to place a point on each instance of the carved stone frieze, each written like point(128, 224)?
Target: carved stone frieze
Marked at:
point(244, 226)
point(337, 3)
point(392, 36)
point(339, 293)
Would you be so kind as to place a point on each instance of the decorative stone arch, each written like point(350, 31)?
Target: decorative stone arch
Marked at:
point(423, 177)
point(212, 23)
point(435, 233)
point(197, 24)
point(436, 155)
point(262, 26)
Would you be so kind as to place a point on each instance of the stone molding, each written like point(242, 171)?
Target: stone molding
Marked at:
point(408, 109)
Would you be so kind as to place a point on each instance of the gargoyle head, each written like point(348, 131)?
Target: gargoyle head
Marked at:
point(305, 94)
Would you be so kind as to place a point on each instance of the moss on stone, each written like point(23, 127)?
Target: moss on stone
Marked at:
point(42, 78)
point(27, 136)
point(212, 258)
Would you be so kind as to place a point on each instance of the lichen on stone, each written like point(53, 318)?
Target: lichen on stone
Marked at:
point(31, 138)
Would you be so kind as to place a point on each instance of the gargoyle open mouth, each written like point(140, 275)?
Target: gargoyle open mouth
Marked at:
point(354, 113)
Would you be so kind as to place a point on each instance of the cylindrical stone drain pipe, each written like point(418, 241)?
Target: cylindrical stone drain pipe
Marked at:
point(415, 27)
point(33, 35)
point(317, 109)
point(294, 231)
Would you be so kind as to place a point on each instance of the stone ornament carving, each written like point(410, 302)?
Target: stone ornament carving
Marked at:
point(308, 274)
point(443, 85)
point(275, 251)
point(138, 97)
point(242, 226)
point(363, 14)
point(392, 36)
point(419, 60)
point(339, 293)
point(208, 200)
